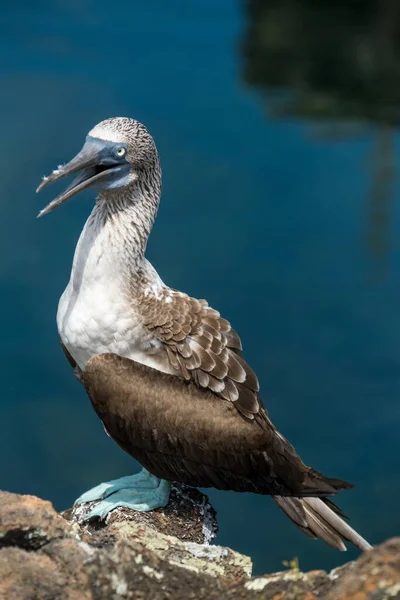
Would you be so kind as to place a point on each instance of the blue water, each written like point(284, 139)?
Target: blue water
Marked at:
point(292, 232)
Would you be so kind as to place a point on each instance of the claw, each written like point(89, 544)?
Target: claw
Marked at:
point(138, 501)
point(140, 492)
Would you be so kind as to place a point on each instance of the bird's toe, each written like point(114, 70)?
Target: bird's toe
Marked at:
point(137, 500)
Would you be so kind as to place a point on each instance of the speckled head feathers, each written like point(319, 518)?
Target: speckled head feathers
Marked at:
point(128, 131)
point(120, 159)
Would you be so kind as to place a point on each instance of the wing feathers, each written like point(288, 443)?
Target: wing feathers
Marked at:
point(203, 347)
point(230, 391)
point(236, 371)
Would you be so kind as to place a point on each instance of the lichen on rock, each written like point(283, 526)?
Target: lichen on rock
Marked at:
point(160, 555)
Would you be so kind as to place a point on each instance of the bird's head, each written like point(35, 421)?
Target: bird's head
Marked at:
point(117, 152)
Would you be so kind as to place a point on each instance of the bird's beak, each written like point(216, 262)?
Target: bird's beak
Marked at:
point(95, 164)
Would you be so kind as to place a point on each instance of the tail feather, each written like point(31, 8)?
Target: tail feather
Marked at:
point(320, 518)
point(293, 510)
point(336, 509)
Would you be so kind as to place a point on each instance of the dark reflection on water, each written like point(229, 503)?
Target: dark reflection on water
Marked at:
point(335, 63)
point(278, 207)
point(334, 59)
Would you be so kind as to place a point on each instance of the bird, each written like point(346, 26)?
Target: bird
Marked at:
point(164, 371)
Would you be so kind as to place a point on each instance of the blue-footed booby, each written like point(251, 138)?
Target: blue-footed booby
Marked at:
point(164, 371)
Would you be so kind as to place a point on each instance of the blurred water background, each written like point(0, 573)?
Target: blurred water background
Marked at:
point(277, 124)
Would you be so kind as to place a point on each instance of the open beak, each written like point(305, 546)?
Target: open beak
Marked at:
point(94, 166)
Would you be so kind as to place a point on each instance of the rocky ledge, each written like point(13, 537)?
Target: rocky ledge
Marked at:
point(160, 555)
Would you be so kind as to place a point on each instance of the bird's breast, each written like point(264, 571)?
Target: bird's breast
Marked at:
point(97, 319)
point(96, 313)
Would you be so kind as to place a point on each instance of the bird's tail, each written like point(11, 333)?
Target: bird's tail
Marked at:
point(321, 518)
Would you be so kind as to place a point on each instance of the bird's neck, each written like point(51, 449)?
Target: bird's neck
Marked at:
point(113, 242)
point(129, 214)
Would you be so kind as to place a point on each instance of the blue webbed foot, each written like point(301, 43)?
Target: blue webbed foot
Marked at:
point(141, 492)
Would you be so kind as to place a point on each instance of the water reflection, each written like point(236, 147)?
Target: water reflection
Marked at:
point(336, 62)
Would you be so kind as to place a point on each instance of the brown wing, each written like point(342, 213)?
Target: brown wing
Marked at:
point(203, 348)
point(178, 432)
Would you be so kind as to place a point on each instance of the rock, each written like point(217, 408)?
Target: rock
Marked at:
point(188, 516)
point(373, 576)
point(29, 522)
point(179, 533)
point(161, 555)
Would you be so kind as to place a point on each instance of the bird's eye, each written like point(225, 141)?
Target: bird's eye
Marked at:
point(121, 151)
